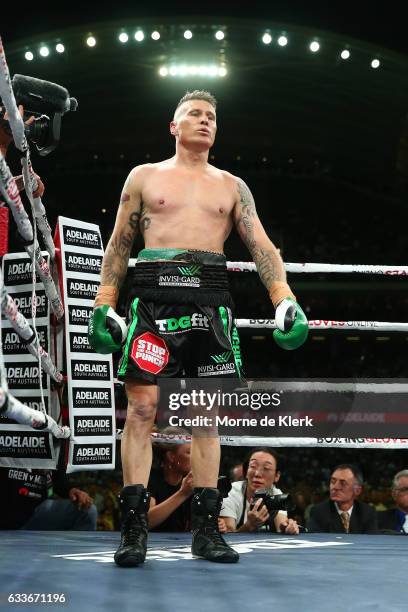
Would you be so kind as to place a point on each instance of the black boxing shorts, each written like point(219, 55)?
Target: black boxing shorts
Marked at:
point(179, 334)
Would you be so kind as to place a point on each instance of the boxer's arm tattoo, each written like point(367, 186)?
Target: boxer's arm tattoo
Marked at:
point(116, 258)
point(268, 261)
point(125, 197)
point(144, 221)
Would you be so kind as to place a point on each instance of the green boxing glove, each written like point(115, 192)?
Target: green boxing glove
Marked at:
point(106, 330)
point(291, 322)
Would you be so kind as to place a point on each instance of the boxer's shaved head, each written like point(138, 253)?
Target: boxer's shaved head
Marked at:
point(197, 94)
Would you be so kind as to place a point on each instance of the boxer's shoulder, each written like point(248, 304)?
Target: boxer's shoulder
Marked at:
point(141, 171)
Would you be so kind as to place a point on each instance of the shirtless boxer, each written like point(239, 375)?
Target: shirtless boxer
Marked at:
point(185, 209)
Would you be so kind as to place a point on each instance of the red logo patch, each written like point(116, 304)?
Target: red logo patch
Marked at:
point(150, 353)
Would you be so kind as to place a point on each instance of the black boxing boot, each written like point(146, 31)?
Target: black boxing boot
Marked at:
point(134, 505)
point(207, 540)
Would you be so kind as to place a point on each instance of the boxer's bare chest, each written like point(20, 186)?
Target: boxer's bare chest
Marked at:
point(173, 192)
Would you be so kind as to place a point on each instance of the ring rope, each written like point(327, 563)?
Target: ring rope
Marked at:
point(255, 441)
point(324, 325)
point(249, 266)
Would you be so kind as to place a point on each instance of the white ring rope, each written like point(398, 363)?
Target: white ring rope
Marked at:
point(32, 418)
point(249, 266)
point(254, 441)
point(324, 325)
point(316, 386)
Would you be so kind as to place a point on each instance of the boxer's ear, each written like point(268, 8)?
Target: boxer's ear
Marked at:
point(173, 128)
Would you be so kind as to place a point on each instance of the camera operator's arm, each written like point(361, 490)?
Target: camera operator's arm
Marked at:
point(38, 193)
point(6, 138)
point(5, 133)
point(283, 524)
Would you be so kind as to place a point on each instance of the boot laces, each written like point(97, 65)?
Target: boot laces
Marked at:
point(212, 530)
point(133, 529)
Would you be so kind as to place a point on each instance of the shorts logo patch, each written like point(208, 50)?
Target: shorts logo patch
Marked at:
point(183, 324)
point(183, 276)
point(222, 358)
point(190, 270)
point(150, 353)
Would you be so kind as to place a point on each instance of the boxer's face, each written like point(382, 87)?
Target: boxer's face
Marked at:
point(195, 125)
point(400, 494)
point(180, 458)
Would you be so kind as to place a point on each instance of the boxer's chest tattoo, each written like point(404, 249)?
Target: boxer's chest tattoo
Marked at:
point(144, 219)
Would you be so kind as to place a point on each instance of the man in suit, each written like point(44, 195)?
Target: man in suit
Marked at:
point(343, 513)
point(396, 519)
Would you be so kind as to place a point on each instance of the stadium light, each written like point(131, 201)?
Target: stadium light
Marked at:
point(184, 70)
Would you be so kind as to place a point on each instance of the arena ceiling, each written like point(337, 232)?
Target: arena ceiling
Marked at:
point(283, 105)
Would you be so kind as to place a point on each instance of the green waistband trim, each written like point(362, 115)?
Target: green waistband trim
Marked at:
point(184, 255)
point(159, 254)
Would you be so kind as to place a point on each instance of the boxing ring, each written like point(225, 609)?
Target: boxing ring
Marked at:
point(312, 572)
point(76, 571)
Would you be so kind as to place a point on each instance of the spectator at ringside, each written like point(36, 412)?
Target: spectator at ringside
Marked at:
point(171, 486)
point(29, 502)
point(261, 472)
point(343, 512)
point(396, 519)
point(236, 472)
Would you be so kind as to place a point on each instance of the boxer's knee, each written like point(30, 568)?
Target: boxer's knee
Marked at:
point(142, 403)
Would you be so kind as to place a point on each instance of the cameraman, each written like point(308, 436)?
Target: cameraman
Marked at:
point(238, 512)
point(6, 138)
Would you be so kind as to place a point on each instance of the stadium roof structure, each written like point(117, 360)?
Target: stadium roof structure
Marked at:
point(283, 104)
